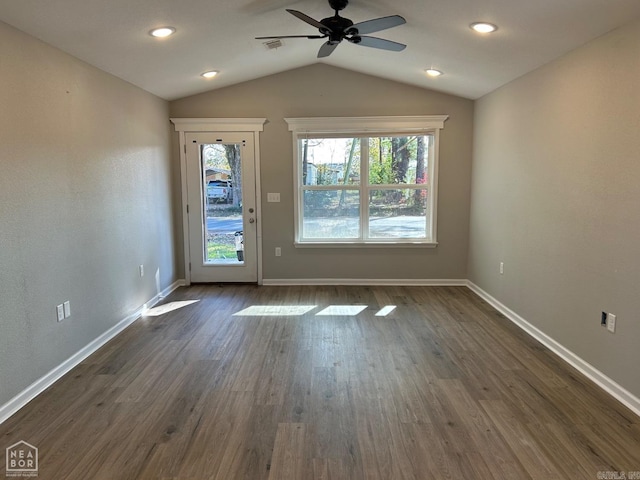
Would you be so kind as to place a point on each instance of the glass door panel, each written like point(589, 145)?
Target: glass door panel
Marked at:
point(221, 217)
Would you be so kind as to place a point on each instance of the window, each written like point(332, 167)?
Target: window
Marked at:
point(366, 181)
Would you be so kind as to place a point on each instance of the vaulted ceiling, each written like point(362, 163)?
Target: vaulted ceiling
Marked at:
point(219, 35)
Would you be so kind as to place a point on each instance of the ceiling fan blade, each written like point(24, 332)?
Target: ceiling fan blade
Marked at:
point(326, 49)
point(307, 18)
point(291, 36)
point(378, 24)
point(380, 43)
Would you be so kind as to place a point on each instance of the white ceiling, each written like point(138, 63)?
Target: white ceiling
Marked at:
point(215, 34)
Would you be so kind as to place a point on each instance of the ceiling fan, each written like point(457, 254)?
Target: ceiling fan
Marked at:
point(338, 28)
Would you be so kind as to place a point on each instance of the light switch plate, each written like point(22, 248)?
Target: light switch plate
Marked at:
point(273, 197)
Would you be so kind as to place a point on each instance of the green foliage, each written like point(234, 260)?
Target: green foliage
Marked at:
point(220, 247)
point(215, 156)
point(394, 160)
point(380, 172)
point(330, 161)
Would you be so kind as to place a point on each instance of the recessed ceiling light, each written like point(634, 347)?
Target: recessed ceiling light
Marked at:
point(209, 74)
point(483, 27)
point(162, 32)
point(432, 72)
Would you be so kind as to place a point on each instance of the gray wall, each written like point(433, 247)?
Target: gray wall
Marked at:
point(84, 199)
point(321, 90)
point(556, 197)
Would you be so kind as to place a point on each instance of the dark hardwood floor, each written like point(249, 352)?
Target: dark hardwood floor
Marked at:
point(444, 387)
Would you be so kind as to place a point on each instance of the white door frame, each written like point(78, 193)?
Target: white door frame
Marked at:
point(194, 125)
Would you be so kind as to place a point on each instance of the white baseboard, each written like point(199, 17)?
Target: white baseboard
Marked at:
point(438, 282)
point(604, 382)
point(40, 385)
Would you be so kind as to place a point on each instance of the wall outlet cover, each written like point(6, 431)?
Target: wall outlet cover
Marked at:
point(611, 323)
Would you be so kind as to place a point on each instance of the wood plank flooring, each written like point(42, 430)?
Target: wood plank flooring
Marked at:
point(444, 387)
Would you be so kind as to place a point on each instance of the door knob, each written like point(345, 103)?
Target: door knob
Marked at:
point(251, 220)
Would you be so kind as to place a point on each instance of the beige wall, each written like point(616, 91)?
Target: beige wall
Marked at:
point(84, 199)
point(321, 90)
point(556, 197)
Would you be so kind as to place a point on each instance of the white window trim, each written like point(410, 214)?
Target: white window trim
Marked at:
point(427, 124)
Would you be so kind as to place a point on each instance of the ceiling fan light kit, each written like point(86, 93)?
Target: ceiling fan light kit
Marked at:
point(336, 29)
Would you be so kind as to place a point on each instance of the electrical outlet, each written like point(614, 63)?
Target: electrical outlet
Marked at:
point(501, 268)
point(611, 323)
point(141, 270)
point(60, 312)
point(67, 309)
point(278, 252)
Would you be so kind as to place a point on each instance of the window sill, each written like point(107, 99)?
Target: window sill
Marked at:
point(365, 244)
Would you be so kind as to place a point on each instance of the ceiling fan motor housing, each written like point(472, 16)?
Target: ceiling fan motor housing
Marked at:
point(336, 28)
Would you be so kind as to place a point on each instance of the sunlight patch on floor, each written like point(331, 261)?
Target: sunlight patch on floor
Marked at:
point(275, 310)
point(386, 310)
point(342, 310)
point(299, 310)
point(166, 308)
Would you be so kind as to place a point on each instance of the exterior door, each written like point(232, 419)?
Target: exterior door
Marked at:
point(221, 205)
